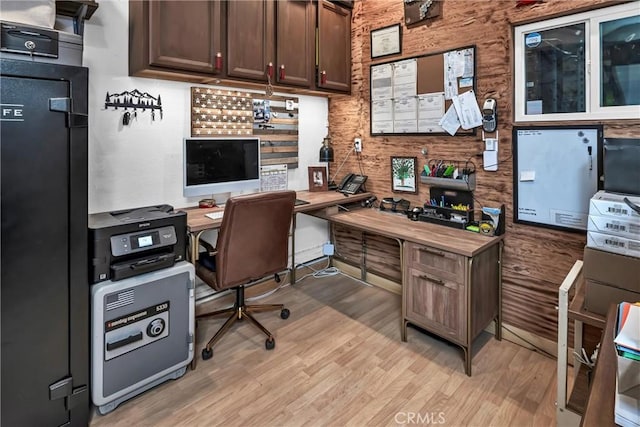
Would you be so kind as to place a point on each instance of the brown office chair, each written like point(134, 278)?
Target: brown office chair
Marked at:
point(253, 243)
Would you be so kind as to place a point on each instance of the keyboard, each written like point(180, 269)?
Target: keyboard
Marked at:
point(215, 215)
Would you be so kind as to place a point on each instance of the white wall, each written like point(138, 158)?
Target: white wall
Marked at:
point(141, 164)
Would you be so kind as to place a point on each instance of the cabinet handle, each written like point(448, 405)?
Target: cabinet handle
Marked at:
point(282, 72)
point(270, 69)
point(218, 61)
point(431, 279)
point(431, 251)
point(323, 77)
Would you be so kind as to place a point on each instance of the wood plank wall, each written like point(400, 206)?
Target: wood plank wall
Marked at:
point(535, 259)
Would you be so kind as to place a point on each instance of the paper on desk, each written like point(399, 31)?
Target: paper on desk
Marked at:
point(629, 333)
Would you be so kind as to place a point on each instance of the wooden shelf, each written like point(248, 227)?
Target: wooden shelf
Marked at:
point(578, 312)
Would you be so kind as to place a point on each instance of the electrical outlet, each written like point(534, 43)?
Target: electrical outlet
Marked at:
point(357, 143)
point(327, 249)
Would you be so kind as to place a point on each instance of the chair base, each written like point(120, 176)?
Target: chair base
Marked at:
point(241, 311)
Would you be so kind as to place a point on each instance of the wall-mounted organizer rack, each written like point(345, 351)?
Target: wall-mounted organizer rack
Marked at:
point(439, 173)
point(465, 182)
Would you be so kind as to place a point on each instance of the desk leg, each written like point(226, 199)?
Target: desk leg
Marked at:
point(293, 249)
point(470, 322)
point(498, 331)
point(194, 242)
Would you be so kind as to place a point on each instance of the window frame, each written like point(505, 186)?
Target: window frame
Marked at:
point(592, 20)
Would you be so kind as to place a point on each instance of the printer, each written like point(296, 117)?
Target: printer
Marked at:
point(130, 242)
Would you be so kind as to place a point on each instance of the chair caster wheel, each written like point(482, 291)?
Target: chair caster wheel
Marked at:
point(207, 354)
point(284, 314)
point(270, 343)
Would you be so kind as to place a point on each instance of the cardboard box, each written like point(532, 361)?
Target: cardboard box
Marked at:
point(609, 278)
point(612, 204)
point(615, 244)
point(615, 226)
point(616, 270)
point(599, 296)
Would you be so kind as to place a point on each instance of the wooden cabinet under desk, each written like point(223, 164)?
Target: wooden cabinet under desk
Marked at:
point(451, 295)
point(451, 279)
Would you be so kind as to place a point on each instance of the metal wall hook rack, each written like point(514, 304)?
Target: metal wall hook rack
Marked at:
point(134, 100)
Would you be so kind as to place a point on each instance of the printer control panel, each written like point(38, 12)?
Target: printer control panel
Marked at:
point(139, 241)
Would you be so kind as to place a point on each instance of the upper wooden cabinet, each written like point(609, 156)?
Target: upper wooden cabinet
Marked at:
point(295, 42)
point(271, 41)
point(334, 47)
point(250, 39)
point(175, 35)
point(249, 42)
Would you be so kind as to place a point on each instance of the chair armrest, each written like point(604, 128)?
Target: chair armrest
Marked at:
point(209, 247)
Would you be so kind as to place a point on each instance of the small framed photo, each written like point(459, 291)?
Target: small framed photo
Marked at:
point(386, 41)
point(318, 178)
point(289, 104)
point(403, 175)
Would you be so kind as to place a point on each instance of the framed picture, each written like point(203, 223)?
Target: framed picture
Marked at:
point(318, 178)
point(386, 41)
point(403, 175)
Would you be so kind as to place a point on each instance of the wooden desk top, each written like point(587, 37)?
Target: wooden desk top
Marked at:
point(398, 226)
point(601, 404)
point(197, 221)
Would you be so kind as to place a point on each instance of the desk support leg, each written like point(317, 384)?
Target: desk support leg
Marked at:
point(363, 257)
point(468, 356)
point(403, 278)
point(293, 249)
point(498, 331)
point(194, 242)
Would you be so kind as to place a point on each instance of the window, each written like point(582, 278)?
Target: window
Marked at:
point(579, 67)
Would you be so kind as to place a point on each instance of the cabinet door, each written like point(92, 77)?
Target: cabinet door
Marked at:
point(186, 35)
point(334, 47)
point(295, 42)
point(250, 39)
point(436, 304)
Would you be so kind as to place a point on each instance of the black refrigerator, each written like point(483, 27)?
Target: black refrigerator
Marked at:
point(44, 289)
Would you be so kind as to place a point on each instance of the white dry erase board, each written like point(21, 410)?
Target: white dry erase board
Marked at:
point(556, 171)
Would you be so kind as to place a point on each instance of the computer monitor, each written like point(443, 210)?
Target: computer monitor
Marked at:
point(220, 165)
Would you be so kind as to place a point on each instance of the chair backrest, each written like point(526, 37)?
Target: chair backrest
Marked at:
point(253, 241)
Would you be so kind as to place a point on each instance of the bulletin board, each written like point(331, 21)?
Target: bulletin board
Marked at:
point(412, 95)
point(556, 171)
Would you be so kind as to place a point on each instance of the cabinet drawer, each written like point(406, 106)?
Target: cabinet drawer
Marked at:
point(443, 264)
point(437, 305)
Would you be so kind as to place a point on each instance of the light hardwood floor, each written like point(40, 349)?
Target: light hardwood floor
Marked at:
point(339, 361)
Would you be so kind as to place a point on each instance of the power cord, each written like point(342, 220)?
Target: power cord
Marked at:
point(283, 283)
point(329, 272)
point(321, 273)
point(533, 346)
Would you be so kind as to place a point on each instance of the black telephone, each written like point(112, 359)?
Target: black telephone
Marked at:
point(352, 183)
